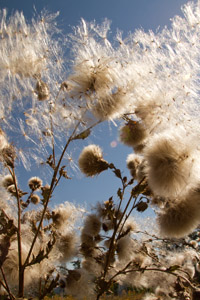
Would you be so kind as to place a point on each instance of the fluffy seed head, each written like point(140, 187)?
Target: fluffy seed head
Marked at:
point(35, 183)
point(130, 226)
point(110, 106)
point(180, 216)
point(66, 245)
point(35, 199)
point(125, 248)
point(87, 245)
point(169, 164)
point(92, 225)
point(132, 134)
point(133, 161)
point(11, 189)
point(91, 75)
point(64, 216)
point(7, 181)
point(91, 161)
point(8, 155)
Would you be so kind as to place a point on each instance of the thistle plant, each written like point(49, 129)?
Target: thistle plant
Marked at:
point(148, 84)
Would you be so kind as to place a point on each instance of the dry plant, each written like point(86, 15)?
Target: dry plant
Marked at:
point(148, 83)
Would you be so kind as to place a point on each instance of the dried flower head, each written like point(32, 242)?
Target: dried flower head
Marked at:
point(132, 134)
point(125, 248)
point(180, 216)
point(129, 227)
point(170, 161)
point(133, 161)
point(8, 155)
point(87, 245)
point(72, 277)
point(91, 161)
point(35, 199)
point(26, 50)
point(92, 225)
point(91, 75)
point(66, 244)
point(11, 189)
point(111, 106)
point(42, 90)
point(35, 183)
point(64, 215)
point(7, 181)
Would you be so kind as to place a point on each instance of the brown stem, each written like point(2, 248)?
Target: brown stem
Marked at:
point(49, 195)
point(165, 271)
point(126, 218)
point(115, 232)
point(52, 188)
point(113, 238)
point(21, 269)
point(52, 141)
point(5, 286)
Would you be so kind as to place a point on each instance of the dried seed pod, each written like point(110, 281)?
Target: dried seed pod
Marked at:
point(35, 183)
point(35, 199)
point(42, 90)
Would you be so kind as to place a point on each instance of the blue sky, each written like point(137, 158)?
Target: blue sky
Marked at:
point(127, 15)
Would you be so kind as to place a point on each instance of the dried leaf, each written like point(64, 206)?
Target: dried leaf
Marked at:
point(118, 173)
point(173, 268)
point(83, 135)
point(142, 206)
point(4, 247)
point(119, 194)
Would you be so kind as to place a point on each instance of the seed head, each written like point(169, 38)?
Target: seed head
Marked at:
point(7, 181)
point(180, 216)
point(92, 225)
point(170, 164)
point(132, 134)
point(35, 183)
point(91, 161)
point(8, 155)
point(42, 90)
point(133, 161)
point(35, 199)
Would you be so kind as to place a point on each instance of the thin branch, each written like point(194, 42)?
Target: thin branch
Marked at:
point(49, 195)
point(165, 271)
point(5, 286)
point(21, 283)
point(126, 218)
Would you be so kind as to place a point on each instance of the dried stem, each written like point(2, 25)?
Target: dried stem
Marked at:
point(53, 182)
point(49, 194)
point(5, 286)
point(21, 269)
point(165, 271)
point(116, 228)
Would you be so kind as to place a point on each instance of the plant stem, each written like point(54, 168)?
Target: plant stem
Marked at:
point(165, 271)
point(49, 195)
point(21, 269)
point(6, 287)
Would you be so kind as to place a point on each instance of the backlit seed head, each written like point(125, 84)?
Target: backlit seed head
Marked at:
point(7, 181)
point(132, 134)
point(35, 183)
point(91, 161)
point(35, 199)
